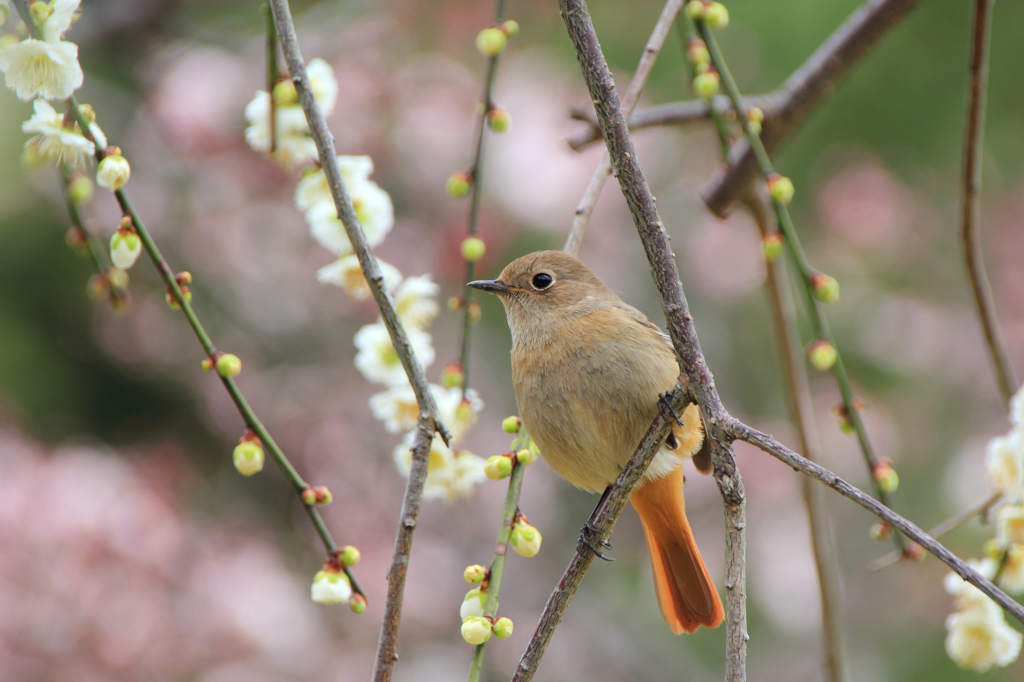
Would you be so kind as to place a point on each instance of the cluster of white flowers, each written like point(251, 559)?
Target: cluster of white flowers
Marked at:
point(290, 138)
point(978, 636)
point(47, 67)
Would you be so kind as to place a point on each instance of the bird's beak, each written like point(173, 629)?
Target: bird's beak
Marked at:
point(494, 285)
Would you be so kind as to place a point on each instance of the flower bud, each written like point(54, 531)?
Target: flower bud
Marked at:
point(285, 93)
point(349, 555)
point(455, 302)
point(886, 477)
point(754, 118)
point(716, 15)
point(705, 85)
point(498, 467)
point(97, 287)
point(458, 185)
point(183, 278)
point(822, 355)
point(357, 603)
point(206, 364)
point(330, 587)
point(499, 120)
point(502, 628)
point(527, 456)
point(525, 539)
point(40, 11)
point(491, 41)
point(476, 630)
point(772, 245)
point(475, 574)
point(914, 551)
point(80, 190)
point(473, 312)
point(780, 188)
point(826, 288)
point(510, 28)
point(248, 457)
point(511, 424)
point(452, 375)
point(125, 247)
point(76, 238)
point(473, 249)
point(473, 604)
point(993, 549)
point(697, 52)
point(880, 530)
point(696, 9)
point(118, 279)
point(186, 294)
point(318, 494)
point(228, 365)
point(113, 172)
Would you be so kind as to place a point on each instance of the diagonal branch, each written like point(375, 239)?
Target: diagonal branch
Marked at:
point(739, 431)
point(629, 100)
point(971, 214)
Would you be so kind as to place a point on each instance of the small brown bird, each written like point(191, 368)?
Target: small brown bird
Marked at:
point(588, 370)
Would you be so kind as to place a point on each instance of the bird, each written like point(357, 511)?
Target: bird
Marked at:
point(588, 372)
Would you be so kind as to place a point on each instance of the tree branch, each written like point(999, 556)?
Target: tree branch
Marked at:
point(971, 215)
point(739, 431)
point(629, 100)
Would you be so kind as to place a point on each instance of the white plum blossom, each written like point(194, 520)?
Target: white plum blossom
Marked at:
point(450, 475)
point(1011, 577)
point(978, 636)
point(377, 359)
point(62, 13)
point(473, 604)
point(38, 68)
point(1010, 523)
point(347, 274)
point(373, 209)
point(113, 171)
point(292, 144)
point(330, 587)
point(125, 248)
point(397, 408)
point(416, 302)
point(1005, 464)
point(53, 140)
point(313, 188)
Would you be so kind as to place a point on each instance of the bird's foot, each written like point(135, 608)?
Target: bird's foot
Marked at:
point(587, 534)
point(666, 409)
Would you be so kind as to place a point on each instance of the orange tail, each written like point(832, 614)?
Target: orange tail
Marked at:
point(686, 593)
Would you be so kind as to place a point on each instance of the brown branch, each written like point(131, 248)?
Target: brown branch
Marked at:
point(673, 113)
point(696, 376)
point(809, 85)
point(386, 655)
point(802, 413)
point(980, 508)
point(739, 431)
point(598, 529)
point(629, 100)
point(971, 231)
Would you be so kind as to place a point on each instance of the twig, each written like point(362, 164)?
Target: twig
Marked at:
point(386, 655)
point(497, 567)
point(271, 77)
point(601, 523)
point(971, 231)
point(804, 269)
point(695, 373)
point(673, 113)
point(807, 87)
point(371, 269)
point(980, 508)
point(476, 192)
point(629, 100)
point(802, 413)
point(740, 431)
point(248, 415)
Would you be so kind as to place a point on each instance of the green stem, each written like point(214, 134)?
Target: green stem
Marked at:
point(688, 31)
point(799, 257)
point(248, 415)
point(271, 74)
point(494, 575)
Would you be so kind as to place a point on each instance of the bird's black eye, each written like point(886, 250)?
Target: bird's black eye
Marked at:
point(542, 280)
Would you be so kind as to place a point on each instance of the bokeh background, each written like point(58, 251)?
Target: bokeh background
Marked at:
point(132, 550)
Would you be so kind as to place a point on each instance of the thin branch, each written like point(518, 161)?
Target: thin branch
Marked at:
point(804, 269)
point(476, 193)
point(346, 213)
point(805, 89)
point(694, 370)
point(497, 568)
point(597, 530)
point(386, 655)
point(801, 410)
point(980, 508)
point(971, 230)
point(740, 431)
point(629, 100)
point(248, 415)
point(272, 76)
